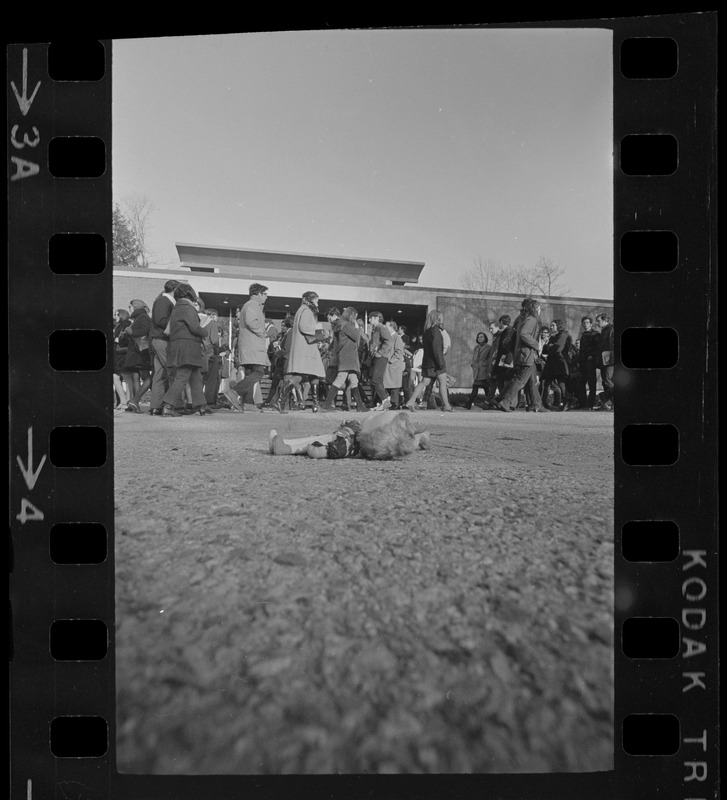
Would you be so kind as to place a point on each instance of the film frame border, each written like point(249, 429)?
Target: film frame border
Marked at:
point(41, 492)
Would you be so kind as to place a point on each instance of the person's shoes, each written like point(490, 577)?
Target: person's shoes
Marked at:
point(538, 409)
point(279, 447)
point(383, 405)
point(447, 408)
point(203, 411)
point(278, 406)
point(155, 412)
point(132, 408)
point(118, 411)
point(407, 407)
point(168, 411)
point(500, 407)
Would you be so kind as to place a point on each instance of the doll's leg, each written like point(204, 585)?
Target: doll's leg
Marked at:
point(294, 447)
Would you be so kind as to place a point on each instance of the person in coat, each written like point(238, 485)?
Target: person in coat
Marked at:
point(394, 372)
point(588, 356)
point(606, 359)
point(502, 368)
point(185, 354)
point(137, 369)
point(345, 355)
point(380, 348)
point(304, 357)
point(121, 322)
point(526, 345)
point(434, 367)
point(481, 368)
point(378, 436)
point(252, 343)
point(556, 371)
point(161, 310)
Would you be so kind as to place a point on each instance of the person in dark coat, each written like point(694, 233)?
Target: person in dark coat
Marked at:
point(121, 322)
point(502, 368)
point(345, 347)
point(185, 354)
point(380, 349)
point(556, 371)
point(525, 351)
point(161, 310)
point(481, 368)
point(137, 369)
point(606, 359)
point(588, 356)
point(434, 367)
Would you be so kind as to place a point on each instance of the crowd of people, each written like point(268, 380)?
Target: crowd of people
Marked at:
point(541, 367)
point(190, 361)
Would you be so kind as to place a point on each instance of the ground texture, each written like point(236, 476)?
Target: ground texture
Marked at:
point(448, 612)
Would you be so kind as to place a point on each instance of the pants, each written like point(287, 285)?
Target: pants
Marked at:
point(212, 384)
point(502, 377)
point(488, 387)
point(185, 375)
point(524, 376)
point(254, 373)
point(341, 377)
point(377, 378)
point(160, 380)
point(607, 381)
point(588, 381)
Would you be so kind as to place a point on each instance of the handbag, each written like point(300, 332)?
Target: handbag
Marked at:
point(313, 338)
point(141, 342)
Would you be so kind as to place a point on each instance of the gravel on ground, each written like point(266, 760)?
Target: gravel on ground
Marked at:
point(447, 612)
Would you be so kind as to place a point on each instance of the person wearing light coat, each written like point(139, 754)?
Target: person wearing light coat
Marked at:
point(394, 372)
point(252, 343)
point(304, 357)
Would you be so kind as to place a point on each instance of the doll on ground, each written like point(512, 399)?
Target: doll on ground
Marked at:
point(378, 436)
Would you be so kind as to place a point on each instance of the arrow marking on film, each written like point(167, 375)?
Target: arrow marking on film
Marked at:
point(30, 475)
point(22, 99)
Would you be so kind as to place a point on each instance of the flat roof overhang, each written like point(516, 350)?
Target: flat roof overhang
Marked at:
point(277, 307)
point(262, 265)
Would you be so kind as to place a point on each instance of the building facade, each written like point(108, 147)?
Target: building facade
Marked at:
point(221, 277)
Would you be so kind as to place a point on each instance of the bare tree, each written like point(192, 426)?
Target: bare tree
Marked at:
point(138, 209)
point(487, 275)
point(547, 278)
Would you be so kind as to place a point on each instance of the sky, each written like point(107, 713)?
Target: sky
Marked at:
point(436, 146)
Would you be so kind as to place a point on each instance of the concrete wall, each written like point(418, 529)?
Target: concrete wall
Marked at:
point(465, 316)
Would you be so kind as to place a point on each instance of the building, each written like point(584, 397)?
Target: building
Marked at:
point(221, 276)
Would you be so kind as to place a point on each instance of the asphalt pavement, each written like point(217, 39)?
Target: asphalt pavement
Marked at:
point(447, 612)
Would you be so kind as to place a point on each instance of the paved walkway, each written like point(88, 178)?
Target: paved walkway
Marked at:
point(448, 612)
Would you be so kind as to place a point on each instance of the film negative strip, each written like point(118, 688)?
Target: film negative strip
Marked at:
point(62, 580)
